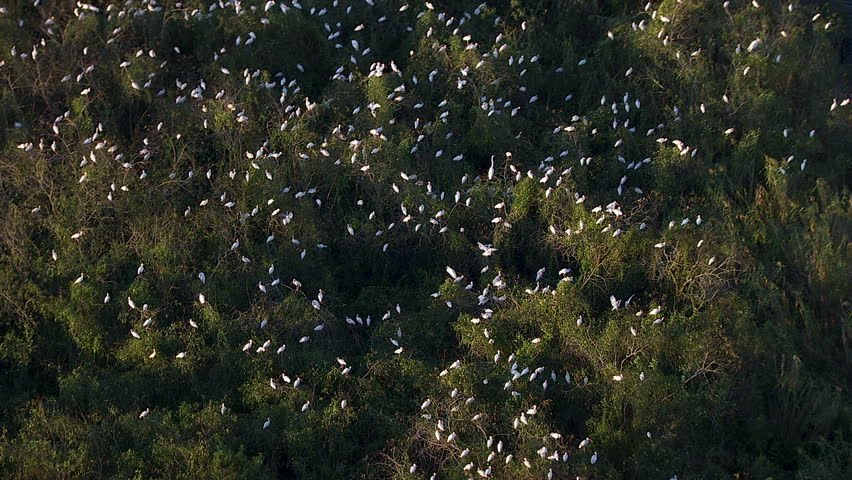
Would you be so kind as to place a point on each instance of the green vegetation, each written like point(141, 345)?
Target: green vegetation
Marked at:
point(449, 238)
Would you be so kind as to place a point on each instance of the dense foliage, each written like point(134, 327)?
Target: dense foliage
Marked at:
point(518, 224)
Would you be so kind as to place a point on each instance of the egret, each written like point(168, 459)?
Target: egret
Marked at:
point(754, 44)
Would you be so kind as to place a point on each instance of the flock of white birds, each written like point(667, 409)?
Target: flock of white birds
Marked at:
point(356, 150)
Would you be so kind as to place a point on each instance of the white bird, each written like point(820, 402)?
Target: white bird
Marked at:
point(754, 44)
point(594, 458)
point(615, 303)
point(145, 413)
point(266, 424)
point(452, 272)
point(487, 250)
